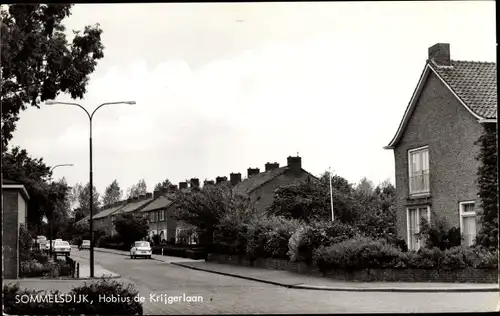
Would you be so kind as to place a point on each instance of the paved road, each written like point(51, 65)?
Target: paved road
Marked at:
point(228, 295)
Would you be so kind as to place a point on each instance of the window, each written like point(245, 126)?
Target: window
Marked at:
point(468, 223)
point(414, 216)
point(162, 216)
point(418, 165)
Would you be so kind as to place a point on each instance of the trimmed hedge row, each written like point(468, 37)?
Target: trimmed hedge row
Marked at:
point(34, 268)
point(196, 252)
point(365, 253)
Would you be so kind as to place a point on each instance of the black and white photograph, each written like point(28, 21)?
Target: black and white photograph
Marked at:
point(249, 158)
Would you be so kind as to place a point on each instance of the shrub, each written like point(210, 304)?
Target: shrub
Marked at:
point(126, 305)
point(230, 236)
point(438, 235)
point(306, 239)
point(358, 253)
point(33, 268)
point(268, 236)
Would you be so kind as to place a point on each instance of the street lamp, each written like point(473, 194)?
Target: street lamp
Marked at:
point(90, 116)
point(331, 192)
point(52, 211)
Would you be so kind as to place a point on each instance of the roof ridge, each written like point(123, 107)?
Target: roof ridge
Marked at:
point(474, 61)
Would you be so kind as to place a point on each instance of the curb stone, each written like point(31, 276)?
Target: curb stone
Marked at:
point(343, 289)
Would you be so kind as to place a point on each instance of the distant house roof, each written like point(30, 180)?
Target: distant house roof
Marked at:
point(251, 184)
point(159, 203)
point(108, 211)
point(83, 220)
point(134, 205)
point(11, 184)
point(473, 83)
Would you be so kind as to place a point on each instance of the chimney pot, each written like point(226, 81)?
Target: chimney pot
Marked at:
point(440, 54)
point(156, 193)
point(295, 165)
point(149, 195)
point(235, 178)
point(252, 171)
point(208, 182)
point(172, 188)
point(183, 185)
point(271, 166)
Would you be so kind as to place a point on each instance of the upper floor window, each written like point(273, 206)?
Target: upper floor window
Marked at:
point(162, 215)
point(418, 160)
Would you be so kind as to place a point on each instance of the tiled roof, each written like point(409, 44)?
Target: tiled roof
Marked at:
point(475, 83)
point(7, 181)
point(130, 207)
point(250, 184)
point(86, 218)
point(159, 203)
point(104, 213)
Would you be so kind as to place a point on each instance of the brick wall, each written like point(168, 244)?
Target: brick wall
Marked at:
point(10, 234)
point(442, 123)
point(468, 275)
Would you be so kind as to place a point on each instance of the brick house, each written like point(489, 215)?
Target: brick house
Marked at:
point(434, 147)
point(131, 205)
point(159, 214)
point(14, 214)
point(102, 220)
point(260, 186)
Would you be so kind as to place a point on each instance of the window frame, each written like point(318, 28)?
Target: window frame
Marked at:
point(408, 208)
point(409, 164)
point(462, 214)
point(161, 215)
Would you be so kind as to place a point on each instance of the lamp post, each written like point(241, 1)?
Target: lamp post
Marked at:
point(90, 116)
point(331, 193)
point(52, 211)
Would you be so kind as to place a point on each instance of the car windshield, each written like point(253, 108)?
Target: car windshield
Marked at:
point(85, 242)
point(62, 243)
point(141, 244)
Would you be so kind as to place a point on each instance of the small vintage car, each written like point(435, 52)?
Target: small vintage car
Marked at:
point(84, 245)
point(61, 247)
point(140, 249)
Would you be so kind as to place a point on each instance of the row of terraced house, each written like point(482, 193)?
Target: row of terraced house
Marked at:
point(158, 207)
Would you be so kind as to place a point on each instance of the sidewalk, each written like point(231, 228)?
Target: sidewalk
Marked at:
point(299, 281)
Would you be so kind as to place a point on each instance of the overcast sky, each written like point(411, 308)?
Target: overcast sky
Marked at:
point(224, 87)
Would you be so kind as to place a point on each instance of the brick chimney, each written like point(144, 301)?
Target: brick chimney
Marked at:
point(252, 171)
point(149, 195)
point(235, 178)
point(172, 188)
point(294, 165)
point(163, 190)
point(208, 182)
point(130, 199)
point(194, 183)
point(271, 166)
point(440, 54)
point(183, 185)
point(156, 193)
point(219, 180)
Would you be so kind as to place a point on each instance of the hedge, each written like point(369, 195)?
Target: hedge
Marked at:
point(364, 253)
point(125, 306)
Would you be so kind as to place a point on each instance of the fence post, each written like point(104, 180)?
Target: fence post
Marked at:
point(77, 270)
point(162, 251)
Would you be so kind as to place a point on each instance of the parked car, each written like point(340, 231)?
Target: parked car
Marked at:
point(140, 249)
point(61, 247)
point(85, 245)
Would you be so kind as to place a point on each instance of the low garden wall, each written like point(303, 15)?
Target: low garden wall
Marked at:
point(466, 275)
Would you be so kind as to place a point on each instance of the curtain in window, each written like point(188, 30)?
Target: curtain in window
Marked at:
point(413, 229)
point(469, 230)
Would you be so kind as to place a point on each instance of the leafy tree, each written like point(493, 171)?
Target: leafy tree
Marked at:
point(488, 187)
point(37, 61)
point(164, 184)
point(204, 208)
point(365, 187)
point(310, 201)
point(339, 183)
point(131, 227)
point(34, 174)
point(84, 199)
point(138, 189)
point(112, 194)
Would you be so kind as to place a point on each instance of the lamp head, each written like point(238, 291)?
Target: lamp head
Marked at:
point(130, 102)
point(50, 102)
